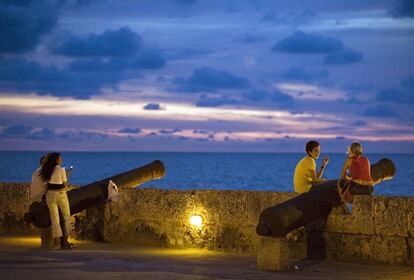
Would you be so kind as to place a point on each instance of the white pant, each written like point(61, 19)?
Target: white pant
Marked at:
point(58, 199)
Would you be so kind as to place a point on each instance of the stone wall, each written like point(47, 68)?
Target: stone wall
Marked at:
point(380, 229)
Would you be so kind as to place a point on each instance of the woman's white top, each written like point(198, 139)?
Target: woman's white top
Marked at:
point(58, 175)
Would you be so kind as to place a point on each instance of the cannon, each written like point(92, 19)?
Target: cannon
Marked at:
point(282, 218)
point(96, 193)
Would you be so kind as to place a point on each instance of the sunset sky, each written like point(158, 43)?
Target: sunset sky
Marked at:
point(206, 75)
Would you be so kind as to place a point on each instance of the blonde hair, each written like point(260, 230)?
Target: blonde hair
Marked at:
point(355, 148)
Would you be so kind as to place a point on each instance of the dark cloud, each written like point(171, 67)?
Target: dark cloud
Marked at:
point(392, 95)
point(402, 8)
point(16, 131)
point(149, 59)
point(209, 80)
point(282, 99)
point(207, 101)
point(344, 56)
point(275, 98)
point(82, 136)
point(380, 111)
point(355, 87)
point(403, 94)
point(23, 23)
point(82, 78)
point(255, 95)
point(301, 42)
point(309, 43)
point(169, 131)
point(249, 38)
point(201, 131)
point(301, 74)
point(152, 106)
point(185, 53)
point(130, 130)
point(25, 76)
point(408, 83)
point(31, 133)
point(111, 43)
point(359, 123)
point(294, 17)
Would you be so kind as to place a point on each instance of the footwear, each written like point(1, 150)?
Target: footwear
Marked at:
point(67, 246)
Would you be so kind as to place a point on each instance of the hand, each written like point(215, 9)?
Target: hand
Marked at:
point(325, 160)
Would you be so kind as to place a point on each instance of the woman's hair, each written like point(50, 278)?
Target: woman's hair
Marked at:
point(48, 166)
point(311, 145)
point(355, 148)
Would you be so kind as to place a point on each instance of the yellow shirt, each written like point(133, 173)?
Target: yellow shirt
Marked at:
point(302, 180)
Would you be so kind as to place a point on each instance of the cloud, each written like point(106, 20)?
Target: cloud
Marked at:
point(26, 76)
point(381, 111)
point(301, 42)
point(185, 53)
point(152, 106)
point(309, 43)
point(23, 23)
point(207, 101)
point(275, 97)
point(112, 43)
point(169, 131)
point(301, 74)
point(359, 123)
point(209, 80)
point(255, 95)
point(130, 130)
point(249, 38)
point(402, 94)
point(27, 132)
point(408, 83)
point(149, 59)
point(344, 56)
point(282, 99)
point(82, 78)
point(402, 8)
point(17, 131)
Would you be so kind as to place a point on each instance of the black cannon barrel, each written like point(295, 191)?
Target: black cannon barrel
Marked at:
point(96, 193)
point(282, 218)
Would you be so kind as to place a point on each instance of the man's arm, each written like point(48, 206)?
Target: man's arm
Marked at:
point(322, 168)
point(314, 176)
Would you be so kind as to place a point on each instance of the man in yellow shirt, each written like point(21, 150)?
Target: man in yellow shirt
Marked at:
point(305, 172)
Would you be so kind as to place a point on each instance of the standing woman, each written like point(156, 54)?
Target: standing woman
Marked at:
point(56, 197)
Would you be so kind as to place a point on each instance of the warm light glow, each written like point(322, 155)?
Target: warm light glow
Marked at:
point(196, 221)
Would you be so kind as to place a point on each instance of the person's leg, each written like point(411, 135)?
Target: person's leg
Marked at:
point(65, 211)
point(65, 234)
point(51, 200)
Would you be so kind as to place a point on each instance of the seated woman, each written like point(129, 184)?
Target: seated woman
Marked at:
point(356, 170)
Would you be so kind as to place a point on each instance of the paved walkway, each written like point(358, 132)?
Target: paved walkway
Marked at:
point(21, 258)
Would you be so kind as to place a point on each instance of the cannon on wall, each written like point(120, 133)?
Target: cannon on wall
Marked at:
point(282, 218)
point(96, 193)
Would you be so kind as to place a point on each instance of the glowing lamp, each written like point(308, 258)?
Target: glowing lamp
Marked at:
point(196, 221)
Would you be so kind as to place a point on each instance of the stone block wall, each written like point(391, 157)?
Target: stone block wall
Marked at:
point(379, 229)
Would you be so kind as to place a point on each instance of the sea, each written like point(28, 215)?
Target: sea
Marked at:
point(192, 171)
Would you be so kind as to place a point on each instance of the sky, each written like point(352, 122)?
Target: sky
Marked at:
point(206, 75)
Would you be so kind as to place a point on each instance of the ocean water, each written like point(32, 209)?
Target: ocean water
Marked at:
point(184, 171)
